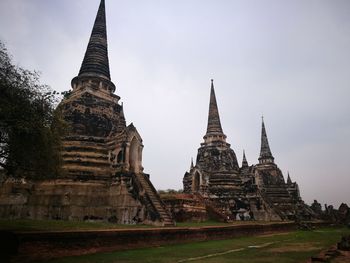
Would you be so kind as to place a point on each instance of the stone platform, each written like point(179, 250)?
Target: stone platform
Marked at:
point(123, 199)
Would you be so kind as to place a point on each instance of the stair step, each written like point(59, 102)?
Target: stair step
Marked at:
point(84, 143)
point(71, 167)
point(85, 155)
point(88, 174)
point(90, 164)
point(154, 198)
point(86, 159)
point(85, 148)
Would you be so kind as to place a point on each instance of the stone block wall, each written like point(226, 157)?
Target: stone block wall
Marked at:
point(185, 208)
point(64, 199)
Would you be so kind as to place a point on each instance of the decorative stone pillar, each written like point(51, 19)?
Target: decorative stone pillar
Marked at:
point(127, 157)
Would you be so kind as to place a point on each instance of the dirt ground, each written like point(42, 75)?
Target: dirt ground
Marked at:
point(332, 255)
point(344, 257)
point(296, 247)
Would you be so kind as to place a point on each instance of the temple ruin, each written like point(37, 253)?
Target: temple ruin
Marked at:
point(240, 192)
point(102, 177)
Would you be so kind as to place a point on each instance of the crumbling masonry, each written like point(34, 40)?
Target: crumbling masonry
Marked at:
point(255, 192)
point(103, 177)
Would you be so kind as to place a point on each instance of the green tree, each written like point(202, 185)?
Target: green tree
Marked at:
point(30, 126)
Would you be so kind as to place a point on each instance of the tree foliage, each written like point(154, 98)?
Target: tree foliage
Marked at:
point(30, 126)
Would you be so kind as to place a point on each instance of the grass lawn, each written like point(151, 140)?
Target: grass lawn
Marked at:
point(57, 225)
point(216, 223)
point(295, 246)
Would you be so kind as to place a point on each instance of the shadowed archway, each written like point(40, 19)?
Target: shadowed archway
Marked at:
point(134, 156)
point(196, 182)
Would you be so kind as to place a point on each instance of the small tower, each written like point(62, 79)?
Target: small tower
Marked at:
point(289, 181)
point(244, 161)
point(265, 152)
point(293, 189)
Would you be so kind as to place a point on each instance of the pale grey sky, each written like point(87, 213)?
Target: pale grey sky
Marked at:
point(288, 60)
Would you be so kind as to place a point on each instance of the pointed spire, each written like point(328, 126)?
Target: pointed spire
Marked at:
point(214, 124)
point(95, 61)
point(265, 152)
point(121, 122)
point(244, 161)
point(192, 166)
point(289, 181)
point(122, 109)
point(122, 116)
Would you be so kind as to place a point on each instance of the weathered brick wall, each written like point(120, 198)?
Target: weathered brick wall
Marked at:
point(185, 209)
point(72, 200)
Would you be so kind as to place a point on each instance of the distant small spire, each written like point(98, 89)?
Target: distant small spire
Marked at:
point(192, 166)
point(265, 152)
point(121, 124)
point(244, 161)
point(289, 181)
point(214, 124)
point(122, 110)
point(95, 61)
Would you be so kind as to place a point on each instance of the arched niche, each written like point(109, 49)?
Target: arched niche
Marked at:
point(196, 183)
point(120, 156)
point(134, 156)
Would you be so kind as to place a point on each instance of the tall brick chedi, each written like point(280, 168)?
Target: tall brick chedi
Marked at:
point(216, 162)
point(99, 143)
point(102, 177)
point(100, 146)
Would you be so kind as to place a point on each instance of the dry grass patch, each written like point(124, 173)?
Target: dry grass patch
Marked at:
point(297, 247)
point(274, 234)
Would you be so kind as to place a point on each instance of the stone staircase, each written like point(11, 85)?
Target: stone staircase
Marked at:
point(212, 209)
point(266, 212)
point(280, 200)
point(85, 157)
point(154, 198)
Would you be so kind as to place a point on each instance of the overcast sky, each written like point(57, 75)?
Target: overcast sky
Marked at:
point(288, 60)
